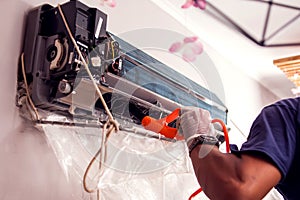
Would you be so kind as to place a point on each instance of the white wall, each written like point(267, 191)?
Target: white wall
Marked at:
point(27, 161)
point(245, 97)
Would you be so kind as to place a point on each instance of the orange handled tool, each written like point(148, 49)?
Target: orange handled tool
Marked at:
point(161, 125)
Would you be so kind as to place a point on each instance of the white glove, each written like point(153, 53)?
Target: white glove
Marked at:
point(195, 121)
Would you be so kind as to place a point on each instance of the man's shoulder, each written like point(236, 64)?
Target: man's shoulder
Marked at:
point(289, 103)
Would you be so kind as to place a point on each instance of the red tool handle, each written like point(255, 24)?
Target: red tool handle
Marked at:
point(161, 125)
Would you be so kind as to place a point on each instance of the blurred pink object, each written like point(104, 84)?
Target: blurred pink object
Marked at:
point(110, 3)
point(188, 55)
point(175, 47)
point(190, 47)
point(201, 4)
point(197, 48)
point(188, 4)
point(190, 39)
point(196, 3)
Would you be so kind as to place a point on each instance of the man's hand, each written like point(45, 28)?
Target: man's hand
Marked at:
point(194, 122)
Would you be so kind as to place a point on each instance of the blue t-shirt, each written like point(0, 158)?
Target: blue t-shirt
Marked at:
point(275, 134)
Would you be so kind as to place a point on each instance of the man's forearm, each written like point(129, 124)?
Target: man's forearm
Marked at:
point(226, 176)
point(215, 170)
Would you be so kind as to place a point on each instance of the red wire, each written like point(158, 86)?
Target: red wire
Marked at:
point(195, 193)
point(225, 133)
point(227, 150)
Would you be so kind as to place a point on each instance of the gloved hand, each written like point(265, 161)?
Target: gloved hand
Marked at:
point(195, 121)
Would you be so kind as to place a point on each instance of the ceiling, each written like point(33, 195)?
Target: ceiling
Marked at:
point(248, 43)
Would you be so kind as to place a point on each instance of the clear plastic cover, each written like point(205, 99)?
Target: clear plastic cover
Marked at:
point(137, 166)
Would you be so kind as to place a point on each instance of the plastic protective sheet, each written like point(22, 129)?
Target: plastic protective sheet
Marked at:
point(137, 167)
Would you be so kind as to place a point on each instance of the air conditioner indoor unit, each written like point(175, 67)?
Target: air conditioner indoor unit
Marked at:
point(133, 83)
